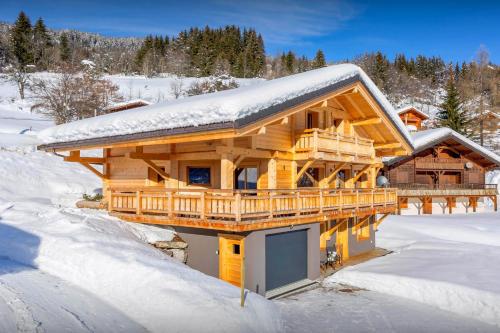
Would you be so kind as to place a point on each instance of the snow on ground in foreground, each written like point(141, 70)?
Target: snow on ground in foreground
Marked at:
point(451, 262)
point(68, 269)
point(342, 309)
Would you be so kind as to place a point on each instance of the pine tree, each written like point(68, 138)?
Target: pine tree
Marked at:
point(21, 41)
point(319, 60)
point(290, 62)
point(64, 49)
point(451, 113)
point(42, 42)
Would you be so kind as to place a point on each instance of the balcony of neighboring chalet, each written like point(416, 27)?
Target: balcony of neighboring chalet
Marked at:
point(446, 190)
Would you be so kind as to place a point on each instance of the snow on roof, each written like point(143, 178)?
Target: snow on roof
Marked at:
point(412, 108)
point(129, 102)
point(220, 107)
point(428, 138)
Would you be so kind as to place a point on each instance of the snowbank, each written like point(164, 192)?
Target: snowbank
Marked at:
point(218, 107)
point(451, 262)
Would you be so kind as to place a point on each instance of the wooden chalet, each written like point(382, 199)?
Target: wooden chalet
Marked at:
point(445, 173)
point(412, 118)
point(291, 175)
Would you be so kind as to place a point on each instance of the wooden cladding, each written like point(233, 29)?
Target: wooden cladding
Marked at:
point(250, 206)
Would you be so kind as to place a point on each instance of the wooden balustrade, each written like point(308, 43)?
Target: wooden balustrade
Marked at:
point(245, 205)
point(325, 141)
point(435, 163)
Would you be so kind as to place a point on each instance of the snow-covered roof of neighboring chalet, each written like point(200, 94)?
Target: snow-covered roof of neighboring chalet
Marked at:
point(431, 137)
point(412, 108)
point(132, 102)
point(233, 108)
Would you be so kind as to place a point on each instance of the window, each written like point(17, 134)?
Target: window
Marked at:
point(199, 176)
point(306, 181)
point(341, 179)
point(236, 248)
point(245, 178)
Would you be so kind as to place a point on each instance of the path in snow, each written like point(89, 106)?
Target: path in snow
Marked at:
point(33, 301)
point(330, 310)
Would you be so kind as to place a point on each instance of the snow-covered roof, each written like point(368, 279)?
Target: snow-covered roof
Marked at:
point(412, 108)
point(227, 109)
point(129, 102)
point(429, 138)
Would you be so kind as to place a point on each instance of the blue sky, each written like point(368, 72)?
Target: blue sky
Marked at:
point(343, 29)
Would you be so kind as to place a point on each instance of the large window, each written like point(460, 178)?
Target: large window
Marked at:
point(199, 176)
point(245, 178)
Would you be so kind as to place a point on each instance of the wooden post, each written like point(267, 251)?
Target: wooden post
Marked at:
point(495, 203)
point(298, 206)
point(237, 206)
point(170, 204)
point(202, 206)
point(242, 281)
point(271, 205)
point(315, 141)
point(138, 200)
point(320, 201)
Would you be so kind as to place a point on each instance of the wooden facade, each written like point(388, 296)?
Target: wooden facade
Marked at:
point(314, 163)
point(413, 118)
point(442, 172)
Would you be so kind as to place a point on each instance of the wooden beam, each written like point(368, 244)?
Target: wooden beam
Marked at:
point(238, 161)
point(361, 172)
point(331, 176)
point(304, 169)
point(157, 169)
point(149, 156)
point(388, 145)
point(366, 122)
point(357, 225)
point(94, 171)
point(243, 151)
point(336, 112)
point(90, 160)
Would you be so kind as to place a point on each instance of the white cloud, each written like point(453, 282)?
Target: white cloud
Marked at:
point(287, 21)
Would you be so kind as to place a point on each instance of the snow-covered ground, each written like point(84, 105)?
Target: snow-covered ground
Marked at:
point(451, 262)
point(67, 269)
point(344, 309)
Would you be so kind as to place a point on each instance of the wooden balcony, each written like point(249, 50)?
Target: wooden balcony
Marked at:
point(235, 210)
point(317, 140)
point(446, 190)
point(439, 163)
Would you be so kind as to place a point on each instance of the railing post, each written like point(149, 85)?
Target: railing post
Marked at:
point(298, 205)
point(202, 205)
point(385, 197)
point(341, 200)
point(338, 143)
point(373, 198)
point(138, 200)
point(320, 201)
point(357, 199)
point(356, 146)
point(271, 205)
point(237, 206)
point(315, 140)
point(170, 205)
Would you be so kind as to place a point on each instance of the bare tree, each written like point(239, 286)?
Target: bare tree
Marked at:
point(20, 75)
point(482, 60)
point(73, 96)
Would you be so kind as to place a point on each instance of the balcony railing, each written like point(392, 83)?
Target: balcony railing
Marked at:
point(439, 163)
point(408, 190)
point(248, 206)
point(326, 141)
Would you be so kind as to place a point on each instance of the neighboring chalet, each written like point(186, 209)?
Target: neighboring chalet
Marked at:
point(446, 173)
point(412, 118)
point(264, 178)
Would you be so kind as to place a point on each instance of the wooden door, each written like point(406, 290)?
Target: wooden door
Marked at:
point(231, 252)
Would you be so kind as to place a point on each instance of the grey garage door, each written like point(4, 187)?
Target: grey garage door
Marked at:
point(286, 258)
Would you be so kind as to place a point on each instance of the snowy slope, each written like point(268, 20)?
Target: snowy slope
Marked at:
point(218, 107)
point(67, 269)
point(448, 261)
